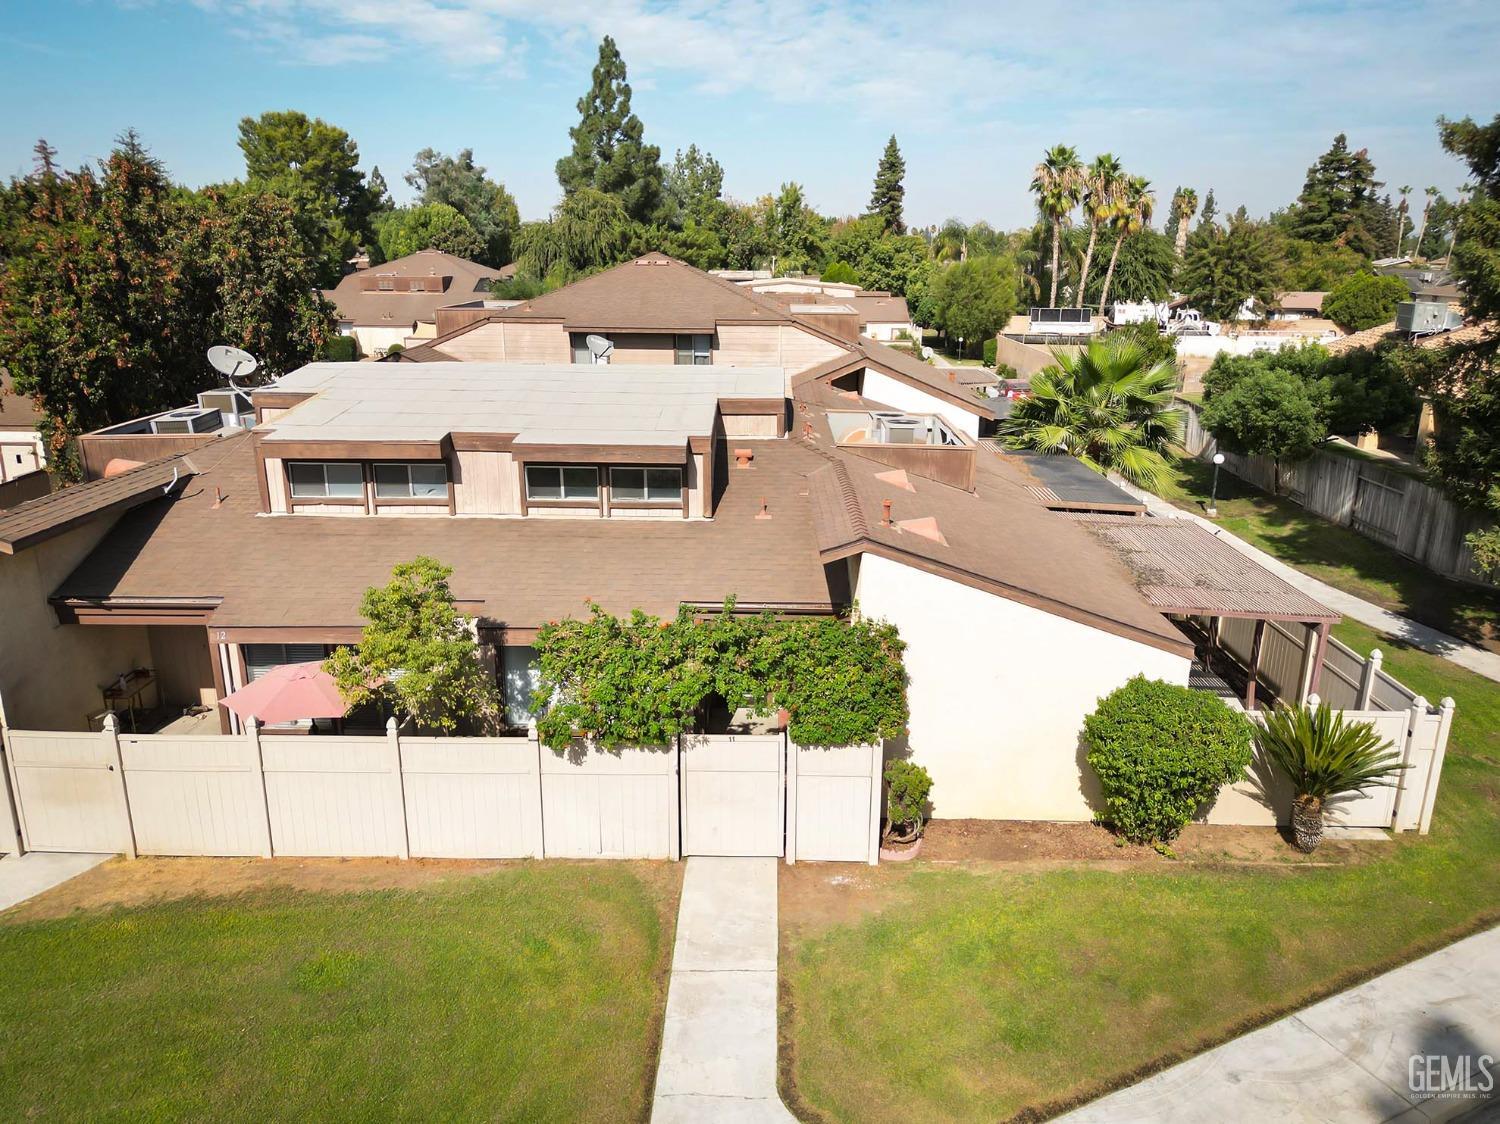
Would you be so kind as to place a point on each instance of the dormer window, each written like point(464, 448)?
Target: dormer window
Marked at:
point(317, 480)
point(561, 482)
point(645, 485)
point(416, 481)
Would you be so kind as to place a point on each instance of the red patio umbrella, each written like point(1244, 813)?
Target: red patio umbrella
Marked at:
point(291, 691)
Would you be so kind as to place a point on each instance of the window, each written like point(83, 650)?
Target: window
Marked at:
point(386, 284)
point(421, 480)
point(326, 480)
point(652, 485)
point(261, 658)
point(695, 351)
point(581, 352)
point(554, 482)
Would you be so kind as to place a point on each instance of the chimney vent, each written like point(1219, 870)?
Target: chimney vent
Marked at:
point(743, 457)
point(764, 511)
point(885, 513)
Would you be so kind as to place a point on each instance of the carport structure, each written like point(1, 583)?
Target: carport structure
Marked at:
point(1271, 633)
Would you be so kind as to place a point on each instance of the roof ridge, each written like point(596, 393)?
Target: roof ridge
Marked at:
point(847, 493)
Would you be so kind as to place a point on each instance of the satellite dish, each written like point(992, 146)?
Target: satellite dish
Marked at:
point(232, 363)
point(600, 347)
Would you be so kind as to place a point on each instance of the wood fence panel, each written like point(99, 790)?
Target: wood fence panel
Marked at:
point(834, 804)
point(194, 795)
point(69, 792)
point(334, 796)
point(472, 798)
point(619, 803)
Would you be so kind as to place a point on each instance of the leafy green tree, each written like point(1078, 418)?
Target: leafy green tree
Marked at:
point(1476, 252)
point(428, 226)
point(841, 272)
point(1338, 200)
point(1057, 182)
point(1225, 268)
point(1210, 210)
point(694, 187)
point(587, 231)
point(796, 234)
point(418, 655)
point(1109, 405)
point(609, 153)
point(463, 185)
point(973, 299)
point(315, 166)
point(1144, 265)
point(1131, 218)
point(1357, 390)
point(380, 194)
point(1268, 413)
point(1312, 267)
point(888, 196)
point(1105, 191)
point(1365, 300)
point(880, 260)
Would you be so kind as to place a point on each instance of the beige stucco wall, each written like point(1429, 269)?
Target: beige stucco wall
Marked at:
point(998, 692)
point(180, 657)
point(660, 350)
point(500, 342)
point(373, 340)
point(879, 387)
point(50, 673)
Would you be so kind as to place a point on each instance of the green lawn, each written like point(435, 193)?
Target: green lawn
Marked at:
point(531, 993)
point(978, 993)
point(1338, 555)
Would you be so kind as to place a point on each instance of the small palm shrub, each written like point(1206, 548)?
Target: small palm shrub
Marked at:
point(1160, 751)
point(907, 786)
point(1325, 756)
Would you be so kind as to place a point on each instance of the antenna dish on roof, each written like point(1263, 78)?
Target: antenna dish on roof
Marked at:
point(600, 347)
point(231, 362)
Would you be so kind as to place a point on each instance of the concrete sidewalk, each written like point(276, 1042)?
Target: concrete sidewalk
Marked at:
point(718, 1050)
point(26, 876)
point(1346, 1059)
point(1466, 655)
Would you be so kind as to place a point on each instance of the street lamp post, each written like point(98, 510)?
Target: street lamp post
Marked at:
point(1213, 495)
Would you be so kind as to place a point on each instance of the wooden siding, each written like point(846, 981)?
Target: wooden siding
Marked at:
point(511, 342)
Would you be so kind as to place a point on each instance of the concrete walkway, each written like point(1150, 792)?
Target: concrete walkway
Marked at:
point(1348, 1058)
point(718, 1049)
point(1466, 655)
point(26, 876)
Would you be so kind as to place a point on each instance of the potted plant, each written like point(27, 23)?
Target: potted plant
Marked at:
point(907, 786)
point(1325, 756)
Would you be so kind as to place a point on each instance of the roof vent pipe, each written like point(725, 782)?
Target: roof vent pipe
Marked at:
point(885, 513)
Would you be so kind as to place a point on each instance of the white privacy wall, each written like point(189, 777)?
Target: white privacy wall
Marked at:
point(998, 692)
point(882, 388)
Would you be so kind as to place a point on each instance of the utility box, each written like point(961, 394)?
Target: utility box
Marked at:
point(1421, 318)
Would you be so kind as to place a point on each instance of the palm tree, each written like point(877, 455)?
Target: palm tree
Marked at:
point(1108, 405)
point(1133, 214)
point(1184, 206)
point(1404, 191)
point(1325, 756)
point(1058, 184)
point(1103, 182)
point(1431, 193)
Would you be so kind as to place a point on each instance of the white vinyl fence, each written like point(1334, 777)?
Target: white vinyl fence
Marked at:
point(257, 794)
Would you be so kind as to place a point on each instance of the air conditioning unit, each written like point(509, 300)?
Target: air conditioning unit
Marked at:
point(1423, 318)
point(190, 420)
point(227, 401)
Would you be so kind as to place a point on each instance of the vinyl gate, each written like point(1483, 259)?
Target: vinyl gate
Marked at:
point(733, 794)
point(70, 791)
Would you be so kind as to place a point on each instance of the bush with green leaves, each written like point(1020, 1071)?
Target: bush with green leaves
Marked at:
point(641, 680)
point(841, 272)
point(1160, 752)
point(990, 346)
point(340, 349)
point(1365, 300)
point(907, 788)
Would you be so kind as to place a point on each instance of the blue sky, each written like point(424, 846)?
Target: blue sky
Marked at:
point(1237, 97)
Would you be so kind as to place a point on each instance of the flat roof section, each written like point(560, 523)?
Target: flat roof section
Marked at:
point(558, 404)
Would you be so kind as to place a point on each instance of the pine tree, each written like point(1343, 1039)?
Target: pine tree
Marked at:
point(609, 153)
point(1338, 204)
point(889, 194)
point(1210, 209)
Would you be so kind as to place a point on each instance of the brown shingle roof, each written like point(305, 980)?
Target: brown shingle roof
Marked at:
point(41, 519)
point(376, 309)
point(1183, 568)
point(1300, 301)
point(880, 309)
point(16, 410)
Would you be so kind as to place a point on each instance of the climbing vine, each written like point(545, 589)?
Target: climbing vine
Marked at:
point(641, 680)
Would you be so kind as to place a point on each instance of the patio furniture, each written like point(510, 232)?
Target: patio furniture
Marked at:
point(126, 691)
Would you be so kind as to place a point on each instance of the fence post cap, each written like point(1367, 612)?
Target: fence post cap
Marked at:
point(1420, 703)
point(111, 723)
point(1376, 655)
point(1448, 703)
point(1313, 701)
point(390, 725)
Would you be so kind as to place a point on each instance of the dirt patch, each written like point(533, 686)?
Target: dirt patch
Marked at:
point(823, 894)
point(124, 883)
point(1035, 841)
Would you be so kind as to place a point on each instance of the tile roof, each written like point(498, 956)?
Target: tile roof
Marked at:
point(365, 308)
point(541, 404)
point(1469, 333)
point(1183, 568)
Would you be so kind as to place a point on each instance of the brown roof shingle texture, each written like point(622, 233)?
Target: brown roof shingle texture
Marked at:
point(310, 571)
point(1183, 568)
point(391, 310)
point(16, 410)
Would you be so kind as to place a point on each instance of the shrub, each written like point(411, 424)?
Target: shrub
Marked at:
point(1160, 751)
point(340, 349)
point(989, 352)
point(842, 272)
point(1364, 301)
point(906, 799)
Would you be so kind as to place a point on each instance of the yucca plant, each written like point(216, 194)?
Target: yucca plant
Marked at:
point(1325, 756)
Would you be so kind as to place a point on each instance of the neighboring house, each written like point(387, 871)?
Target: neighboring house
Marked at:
point(882, 316)
point(657, 310)
point(1296, 306)
point(21, 448)
point(1426, 283)
point(397, 302)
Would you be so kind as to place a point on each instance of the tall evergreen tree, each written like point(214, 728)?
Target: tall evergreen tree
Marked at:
point(609, 153)
point(694, 185)
point(1338, 203)
point(1210, 209)
point(1224, 268)
point(888, 197)
point(462, 184)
